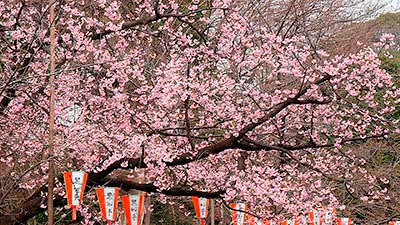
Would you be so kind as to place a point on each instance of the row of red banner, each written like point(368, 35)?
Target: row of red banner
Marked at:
point(240, 216)
point(75, 183)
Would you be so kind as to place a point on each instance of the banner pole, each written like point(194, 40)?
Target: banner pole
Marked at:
point(50, 190)
point(212, 212)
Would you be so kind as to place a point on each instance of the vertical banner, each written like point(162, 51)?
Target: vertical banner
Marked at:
point(314, 217)
point(133, 207)
point(108, 198)
point(267, 222)
point(201, 207)
point(75, 183)
point(291, 222)
point(239, 213)
point(251, 219)
point(288, 222)
point(328, 215)
point(343, 221)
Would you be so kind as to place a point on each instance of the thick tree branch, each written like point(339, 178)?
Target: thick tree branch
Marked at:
point(252, 145)
point(128, 184)
point(232, 141)
point(31, 205)
point(147, 20)
point(6, 100)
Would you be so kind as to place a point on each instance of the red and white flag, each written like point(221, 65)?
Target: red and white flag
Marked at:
point(75, 183)
point(239, 213)
point(314, 217)
point(394, 223)
point(108, 198)
point(133, 207)
point(291, 222)
point(343, 221)
point(328, 215)
point(252, 220)
point(201, 208)
point(267, 222)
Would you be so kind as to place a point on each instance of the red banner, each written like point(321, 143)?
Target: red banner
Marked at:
point(75, 183)
point(108, 199)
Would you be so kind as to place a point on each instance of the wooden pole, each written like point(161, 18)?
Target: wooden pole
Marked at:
point(222, 215)
point(212, 212)
point(147, 218)
point(50, 192)
point(173, 214)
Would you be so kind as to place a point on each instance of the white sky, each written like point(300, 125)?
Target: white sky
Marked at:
point(387, 6)
point(391, 5)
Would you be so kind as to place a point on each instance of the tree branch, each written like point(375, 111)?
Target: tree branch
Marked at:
point(151, 19)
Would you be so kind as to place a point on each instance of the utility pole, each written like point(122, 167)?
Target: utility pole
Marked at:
point(50, 191)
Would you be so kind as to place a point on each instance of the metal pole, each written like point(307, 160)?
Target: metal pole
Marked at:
point(50, 191)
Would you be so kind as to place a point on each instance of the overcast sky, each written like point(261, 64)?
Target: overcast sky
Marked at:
point(391, 5)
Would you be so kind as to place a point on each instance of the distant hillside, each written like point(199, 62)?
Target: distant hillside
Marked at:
point(364, 32)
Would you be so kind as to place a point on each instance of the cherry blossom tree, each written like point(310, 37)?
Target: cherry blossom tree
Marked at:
point(184, 98)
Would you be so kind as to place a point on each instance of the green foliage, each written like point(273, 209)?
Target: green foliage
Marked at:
point(385, 157)
point(41, 218)
point(162, 214)
point(392, 65)
point(389, 19)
